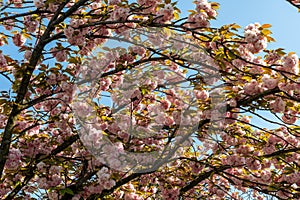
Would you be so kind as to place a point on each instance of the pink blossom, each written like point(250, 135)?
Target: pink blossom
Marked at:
point(199, 20)
point(269, 149)
point(27, 54)
point(132, 196)
point(139, 50)
point(55, 180)
point(59, 54)
point(269, 82)
point(160, 118)
point(55, 169)
point(266, 176)
point(165, 104)
point(246, 119)
point(109, 184)
point(251, 36)
point(53, 7)
point(53, 195)
point(17, 3)
point(14, 159)
point(30, 24)
point(168, 121)
point(149, 4)
point(291, 63)
point(252, 88)
point(260, 45)
point(278, 105)
point(9, 24)
point(120, 13)
point(41, 167)
point(239, 63)
point(114, 2)
point(69, 31)
point(43, 183)
point(3, 63)
point(165, 14)
point(273, 58)
point(96, 5)
point(220, 193)
point(252, 27)
point(76, 197)
point(201, 94)
point(19, 39)
point(256, 41)
point(205, 6)
point(289, 118)
point(39, 3)
point(274, 139)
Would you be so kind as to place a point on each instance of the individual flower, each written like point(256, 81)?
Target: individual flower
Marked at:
point(290, 63)
point(269, 82)
point(59, 54)
point(3, 62)
point(39, 3)
point(278, 105)
point(19, 39)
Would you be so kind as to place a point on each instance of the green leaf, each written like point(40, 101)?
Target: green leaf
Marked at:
point(66, 191)
point(231, 55)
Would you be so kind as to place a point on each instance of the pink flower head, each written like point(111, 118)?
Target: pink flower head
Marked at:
point(3, 62)
point(269, 82)
point(17, 3)
point(165, 104)
point(278, 105)
point(39, 3)
point(27, 54)
point(60, 55)
point(19, 39)
point(252, 88)
point(291, 63)
point(198, 20)
point(120, 13)
point(69, 31)
point(30, 24)
point(289, 118)
point(114, 2)
point(201, 94)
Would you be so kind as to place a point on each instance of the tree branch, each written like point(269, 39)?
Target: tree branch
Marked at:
point(297, 5)
point(39, 158)
point(22, 90)
point(202, 177)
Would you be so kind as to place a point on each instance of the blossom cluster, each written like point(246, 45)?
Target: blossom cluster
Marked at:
point(179, 111)
point(31, 24)
point(200, 18)
point(256, 42)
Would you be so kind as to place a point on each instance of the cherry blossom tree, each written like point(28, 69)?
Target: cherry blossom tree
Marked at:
point(183, 97)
